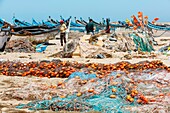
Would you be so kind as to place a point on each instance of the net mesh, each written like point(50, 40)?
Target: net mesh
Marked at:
point(87, 92)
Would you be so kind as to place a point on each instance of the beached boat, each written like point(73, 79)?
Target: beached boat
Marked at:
point(4, 38)
point(73, 24)
point(24, 24)
point(49, 24)
point(17, 22)
point(79, 22)
point(32, 30)
point(97, 24)
point(77, 27)
point(47, 27)
point(35, 23)
point(1, 23)
point(83, 21)
point(117, 25)
point(159, 27)
point(52, 24)
point(52, 20)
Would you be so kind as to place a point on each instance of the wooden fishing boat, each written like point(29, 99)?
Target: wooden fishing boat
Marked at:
point(52, 21)
point(49, 24)
point(158, 27)
point(17, 22)
point(47, 27)
point(4, 38)
point(73, 24)
point(1, 23)
point(79, 22)
point(35, 23)
point(32, 30)
point(83, 21)
point(97, 24)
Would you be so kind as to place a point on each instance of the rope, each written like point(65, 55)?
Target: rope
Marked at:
point(160, 34)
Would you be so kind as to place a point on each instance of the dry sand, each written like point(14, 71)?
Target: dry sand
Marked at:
point(117, 57)
point(7, 83)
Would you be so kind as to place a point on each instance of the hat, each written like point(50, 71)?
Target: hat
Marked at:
point(61, 21)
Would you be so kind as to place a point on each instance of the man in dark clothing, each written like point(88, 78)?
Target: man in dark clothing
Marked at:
point(90, 27)
point(107, 26)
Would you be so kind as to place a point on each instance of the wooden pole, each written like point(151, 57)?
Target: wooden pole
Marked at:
point(67, 32)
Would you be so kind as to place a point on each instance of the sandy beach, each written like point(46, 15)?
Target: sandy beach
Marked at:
point(84, 56)
point(10, 84)
point(117, 56)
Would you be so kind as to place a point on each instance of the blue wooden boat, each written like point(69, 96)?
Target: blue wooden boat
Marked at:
point(79, 22)
point(49, 24)
point(52, 20)
point(1, 23)
point(78, 29)
point(33, 30)
point(35, 23)
point(17, 22)
point(158, 27)
point(73, 24)
point(4, 24)
point(117, 25)
point(103, 21)
point(96, 23)
point(83, 21)
point(36, 30)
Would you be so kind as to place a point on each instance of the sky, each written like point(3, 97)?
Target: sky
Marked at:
point(97, 9)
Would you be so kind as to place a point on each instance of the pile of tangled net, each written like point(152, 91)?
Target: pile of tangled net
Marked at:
point(20, 45)
point(117, 92)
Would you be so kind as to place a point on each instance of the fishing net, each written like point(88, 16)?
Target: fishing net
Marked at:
point(20, 45)
point(89, 87)
point(142, 43)
point(89, 92)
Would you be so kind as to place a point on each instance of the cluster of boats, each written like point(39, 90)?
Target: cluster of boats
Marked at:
point(23, 28)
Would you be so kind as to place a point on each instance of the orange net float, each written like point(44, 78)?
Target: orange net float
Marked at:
point(135, 27)
point(146, 17)
point(156, 19)
point(140, 14)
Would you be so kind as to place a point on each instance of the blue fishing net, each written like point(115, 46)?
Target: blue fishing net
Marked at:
point(99, 101)
point(82, 75)
point(142, 43)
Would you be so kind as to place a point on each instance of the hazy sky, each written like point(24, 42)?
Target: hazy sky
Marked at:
point(96, 9)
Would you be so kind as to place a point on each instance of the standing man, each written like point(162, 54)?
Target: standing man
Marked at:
point(90, 27)
point(107, 26)
point(63, 29)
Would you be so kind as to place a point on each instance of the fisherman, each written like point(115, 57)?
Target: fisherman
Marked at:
point(49, 18)
point(107, 26)
point(63, 29)
point(90, 27)
point(5, 25)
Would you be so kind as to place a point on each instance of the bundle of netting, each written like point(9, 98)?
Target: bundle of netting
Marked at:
point(91, 92)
